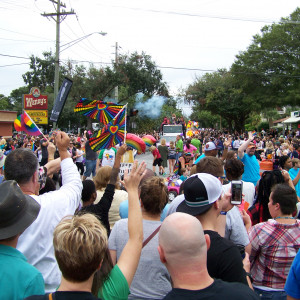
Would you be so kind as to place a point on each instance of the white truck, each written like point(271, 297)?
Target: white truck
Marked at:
point(169, 132)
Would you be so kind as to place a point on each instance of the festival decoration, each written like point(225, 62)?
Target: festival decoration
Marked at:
point(135, 142)
point(104, 112)
point(176, 169)
point(29, 126)
point(189, 133)
point(18, 124)
point(111, 134)
point(149, 140)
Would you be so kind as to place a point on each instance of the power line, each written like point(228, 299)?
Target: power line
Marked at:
point(206, 16)
point(49, 41)
point(13, 65)
point(23, 34)
point(14, 56)
point(166, 67)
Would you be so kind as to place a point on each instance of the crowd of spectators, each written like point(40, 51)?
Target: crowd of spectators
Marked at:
point(64, 235)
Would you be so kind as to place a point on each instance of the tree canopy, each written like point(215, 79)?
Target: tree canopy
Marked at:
point(269, 71)
point(219, 94)
point(133, 73)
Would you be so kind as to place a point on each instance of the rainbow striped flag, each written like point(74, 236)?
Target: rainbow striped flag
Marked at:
point(18, 123)
point(111, 134)
point(176, 168)
point(29, 126)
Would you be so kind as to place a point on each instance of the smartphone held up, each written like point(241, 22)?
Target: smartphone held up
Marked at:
point(236, 192)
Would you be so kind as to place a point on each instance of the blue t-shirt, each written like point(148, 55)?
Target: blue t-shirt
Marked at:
point(199, 158)
point(293, 173)
point(251, 169)
point(123, 211)
point(292, 284)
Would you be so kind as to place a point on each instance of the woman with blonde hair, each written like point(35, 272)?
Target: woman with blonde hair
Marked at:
point(80, 246)
point(101, 180)
point(157, 160)
point(172, 156)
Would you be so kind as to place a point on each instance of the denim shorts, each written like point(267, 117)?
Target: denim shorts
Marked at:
point(90, 168)
point(274, 295)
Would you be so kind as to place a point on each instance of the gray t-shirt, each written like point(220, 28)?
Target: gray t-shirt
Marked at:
point(151, 280)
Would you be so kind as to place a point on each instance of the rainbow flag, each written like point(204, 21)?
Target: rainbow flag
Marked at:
point(176, 168)
point(18, 123)
point(102, 111)
point(29, 126)
point(111, 134)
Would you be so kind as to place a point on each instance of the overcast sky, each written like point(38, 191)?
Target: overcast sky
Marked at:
point(184, 38)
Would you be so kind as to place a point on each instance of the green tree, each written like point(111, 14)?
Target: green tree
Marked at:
point(219, 94)
point(134, 73)
point(139, 74)
point(269, 70)
point(5, 103)
point(205, 118)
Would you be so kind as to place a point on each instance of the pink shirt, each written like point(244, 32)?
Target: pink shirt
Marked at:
point(191, 150)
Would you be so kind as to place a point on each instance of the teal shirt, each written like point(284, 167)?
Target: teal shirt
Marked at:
point(251, 169)
point(293, 173)
point(199, 158)
point(18, 279)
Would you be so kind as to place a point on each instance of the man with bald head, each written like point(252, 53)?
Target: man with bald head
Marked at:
point(183, 250)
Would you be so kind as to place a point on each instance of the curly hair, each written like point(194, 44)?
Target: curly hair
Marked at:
point(154, 195)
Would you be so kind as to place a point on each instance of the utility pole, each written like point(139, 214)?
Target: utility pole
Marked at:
point(58, 17)
point(116, 60)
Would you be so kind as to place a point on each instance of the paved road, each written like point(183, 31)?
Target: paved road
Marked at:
point(148, 158)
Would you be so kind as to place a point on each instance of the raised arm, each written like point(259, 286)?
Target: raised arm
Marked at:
point(116, 167)
point(225, 151)
point(244, 146)
point(103, 206)
point(130, 255)
point(53, 166)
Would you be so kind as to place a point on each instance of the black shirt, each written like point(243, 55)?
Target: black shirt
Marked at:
point(219, 290)
point(224, 260)
point(101, 209)
point(89, 153)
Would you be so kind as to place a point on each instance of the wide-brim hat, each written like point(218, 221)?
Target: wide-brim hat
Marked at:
point(201, 190)
point(17, 210)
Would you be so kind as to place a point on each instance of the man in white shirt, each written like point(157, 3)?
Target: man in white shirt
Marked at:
point(36, 243)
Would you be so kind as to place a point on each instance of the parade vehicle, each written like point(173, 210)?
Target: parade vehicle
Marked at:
point(169, 132)
point(173, 185)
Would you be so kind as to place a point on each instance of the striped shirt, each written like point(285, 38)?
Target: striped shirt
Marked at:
point(274, 246)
